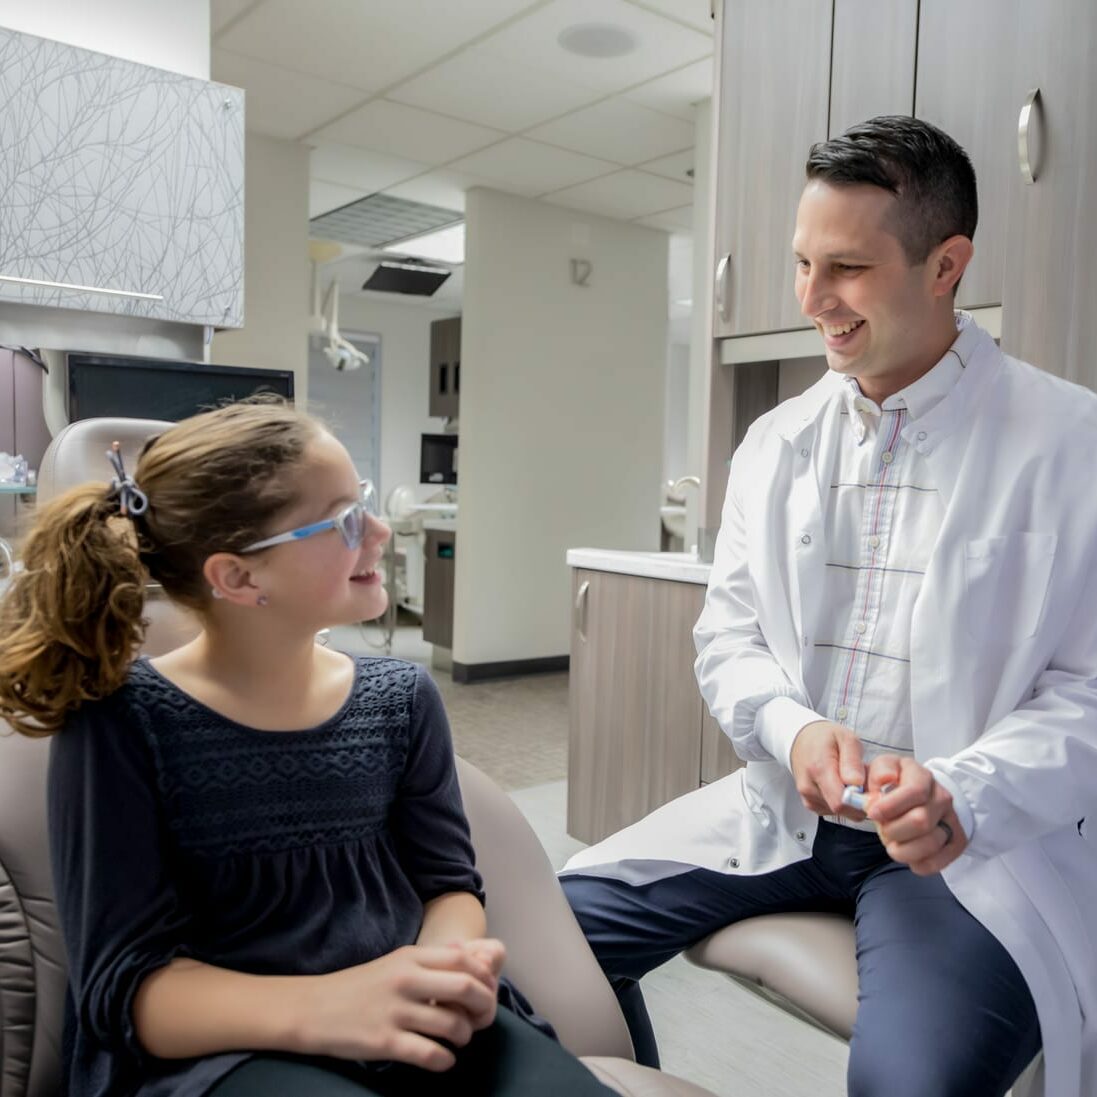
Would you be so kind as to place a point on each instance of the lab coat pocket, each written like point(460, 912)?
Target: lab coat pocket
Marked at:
point(1005, 586)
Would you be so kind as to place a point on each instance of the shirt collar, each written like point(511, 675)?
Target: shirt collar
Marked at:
point(922, 395)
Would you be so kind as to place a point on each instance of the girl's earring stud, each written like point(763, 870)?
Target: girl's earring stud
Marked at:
point(216, 593)
point(261, 600)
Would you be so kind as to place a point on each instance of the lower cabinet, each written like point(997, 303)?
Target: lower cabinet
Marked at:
point(639, 732)
point(438, 574)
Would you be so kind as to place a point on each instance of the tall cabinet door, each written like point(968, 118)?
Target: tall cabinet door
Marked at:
point(967, 85)
point(1049, 316)
point(773, 104)
point(872, 61)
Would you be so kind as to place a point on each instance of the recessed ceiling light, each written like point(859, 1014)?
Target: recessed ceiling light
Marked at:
point(443, 245)
point(597, 40)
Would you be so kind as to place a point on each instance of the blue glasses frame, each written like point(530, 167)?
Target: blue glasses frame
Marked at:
point(351, 522)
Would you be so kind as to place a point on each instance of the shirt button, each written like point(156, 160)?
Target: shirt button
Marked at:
point(800, 836)
point(887, 457)
point(922, 436)
point(806, 539)
point(860, 627)
point(733, 862)
point(842, 712)
point(804, 452)
point(874, 541)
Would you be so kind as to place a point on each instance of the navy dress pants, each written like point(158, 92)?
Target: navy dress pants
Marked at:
point(943, 1011)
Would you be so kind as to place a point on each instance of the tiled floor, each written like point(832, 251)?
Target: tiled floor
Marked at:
point(710, 1031)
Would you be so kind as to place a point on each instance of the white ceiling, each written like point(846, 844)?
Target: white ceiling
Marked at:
point(422, 99)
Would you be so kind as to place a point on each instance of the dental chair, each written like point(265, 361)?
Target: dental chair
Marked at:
point(547, 954)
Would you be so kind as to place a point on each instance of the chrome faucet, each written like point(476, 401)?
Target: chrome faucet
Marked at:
point(675, 489)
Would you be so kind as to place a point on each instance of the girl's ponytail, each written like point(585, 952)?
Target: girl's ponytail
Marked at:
point(71, 620)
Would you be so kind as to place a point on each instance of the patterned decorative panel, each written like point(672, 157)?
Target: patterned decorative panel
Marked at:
point(119, 177)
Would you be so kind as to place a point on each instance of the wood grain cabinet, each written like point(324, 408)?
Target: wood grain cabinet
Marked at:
point(640, 734)
point(445, 367)
point(438, 575)
point(772, 104)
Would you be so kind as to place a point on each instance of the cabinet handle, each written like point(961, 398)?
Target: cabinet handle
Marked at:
point(581, 609)
point(722, 269)
point(443, 383)
point(1030, 165)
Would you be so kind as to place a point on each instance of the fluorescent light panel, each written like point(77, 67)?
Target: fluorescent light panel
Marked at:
point(442, 245)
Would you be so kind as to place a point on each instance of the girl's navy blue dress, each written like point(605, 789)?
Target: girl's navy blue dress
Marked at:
point(177, 832)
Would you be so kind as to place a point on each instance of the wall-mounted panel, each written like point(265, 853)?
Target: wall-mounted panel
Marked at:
point(122, 185)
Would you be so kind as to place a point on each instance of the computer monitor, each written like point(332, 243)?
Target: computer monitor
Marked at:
point(160, 388)
point(438, 459)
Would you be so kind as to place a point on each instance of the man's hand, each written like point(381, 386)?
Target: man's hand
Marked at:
point(917, 822)
point(825, 758)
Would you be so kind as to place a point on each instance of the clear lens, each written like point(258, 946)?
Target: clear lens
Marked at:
point(369, 497)
point(352, 525)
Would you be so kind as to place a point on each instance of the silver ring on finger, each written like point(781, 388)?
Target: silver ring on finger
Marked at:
point(947, 829)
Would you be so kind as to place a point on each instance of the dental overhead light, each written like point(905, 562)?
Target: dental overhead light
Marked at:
point(341, 353)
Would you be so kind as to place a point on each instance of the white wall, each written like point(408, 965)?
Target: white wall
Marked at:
point(276, 273)
point(171, 35)
point(561, 414)
point(405, 356)
point(676, 413)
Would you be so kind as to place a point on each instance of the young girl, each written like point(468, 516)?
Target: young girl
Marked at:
point(262, 866)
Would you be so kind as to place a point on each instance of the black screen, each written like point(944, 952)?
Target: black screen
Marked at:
point(436, 459)
point(154, 388)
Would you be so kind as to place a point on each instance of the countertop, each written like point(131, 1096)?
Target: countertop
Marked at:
point(443, 525)
point(682, 567)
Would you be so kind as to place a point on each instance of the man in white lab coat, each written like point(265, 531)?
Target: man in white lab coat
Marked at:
point(904, 597)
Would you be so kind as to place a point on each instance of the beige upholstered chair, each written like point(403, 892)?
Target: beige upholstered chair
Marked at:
point(548, 957)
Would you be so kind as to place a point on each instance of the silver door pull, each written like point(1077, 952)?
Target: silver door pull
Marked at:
point(581, 609)
point(1030, 161)
point(722, 269)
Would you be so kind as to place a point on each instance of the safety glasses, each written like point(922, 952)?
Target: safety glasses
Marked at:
point(351, 522)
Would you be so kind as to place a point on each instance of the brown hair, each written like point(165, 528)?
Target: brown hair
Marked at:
point(70, 623)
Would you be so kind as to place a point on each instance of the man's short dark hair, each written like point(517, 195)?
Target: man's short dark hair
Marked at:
point(926, 170)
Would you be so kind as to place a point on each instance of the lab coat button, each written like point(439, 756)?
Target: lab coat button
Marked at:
point(806, 539)
point(921, 436)
point(733, 862)
point(804, 452)
point(800, 836)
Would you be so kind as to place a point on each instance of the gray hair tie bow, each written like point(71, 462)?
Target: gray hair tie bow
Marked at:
point(131, 499)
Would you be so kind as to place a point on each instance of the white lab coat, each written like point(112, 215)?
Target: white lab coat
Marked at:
point(1003, 671)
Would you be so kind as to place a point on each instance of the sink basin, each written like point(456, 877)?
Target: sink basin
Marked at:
point(674, 519)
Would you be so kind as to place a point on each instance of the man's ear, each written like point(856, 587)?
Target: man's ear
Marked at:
point(231, 578)
point(947, 262)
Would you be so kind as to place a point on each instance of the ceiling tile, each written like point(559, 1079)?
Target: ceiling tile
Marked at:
point(627, 194)
point(676, 167)
point(445, 187)
point(619, 130)
point(528, 167)
point(696, 13)
point(493, 89)
point(281, 103)
point(661, 45)
point(362, 169)
point(324, 197)
point(676, 92)
point(408, 132)
point(367, 45)
point(673, 220)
